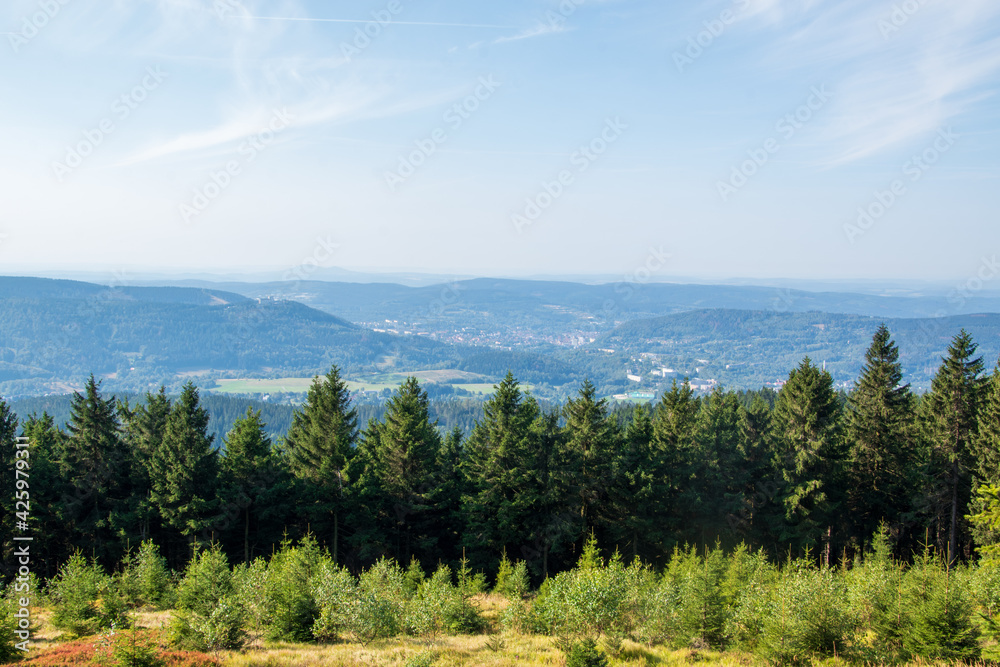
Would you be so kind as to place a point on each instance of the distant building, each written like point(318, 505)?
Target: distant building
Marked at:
point(634, 378)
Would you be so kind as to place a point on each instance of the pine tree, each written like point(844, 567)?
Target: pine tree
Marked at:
point(401, 478)
point(879, 421)
point(675, 424)
point(184, 468)
point(144, 427)
point(987, 456)
point(247, 469)
point(756, 476)
point(494, 469)
point(951, 414)
point(590, 439)
point(636, 489)
point(806, 420)
point(95, 467)
point(319, 445)
point(53, 543)
point(8, 438)
point(714, 494)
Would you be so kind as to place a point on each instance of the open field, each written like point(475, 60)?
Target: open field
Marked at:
point(252, 386)
point(469, 381)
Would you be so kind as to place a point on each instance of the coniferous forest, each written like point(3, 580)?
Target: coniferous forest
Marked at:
point(792, 524)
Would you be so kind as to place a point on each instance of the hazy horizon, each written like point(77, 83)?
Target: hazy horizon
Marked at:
point(811, 141)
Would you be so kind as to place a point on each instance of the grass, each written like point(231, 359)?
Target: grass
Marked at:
point(469, 381)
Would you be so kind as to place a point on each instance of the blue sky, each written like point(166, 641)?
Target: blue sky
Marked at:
point(742, 138)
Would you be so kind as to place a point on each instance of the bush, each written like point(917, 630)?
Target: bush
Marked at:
point(585, 654)
point(210, 614)
point(206, 581)
point(806, 616)
point(291, 606)
point(595, 598)
point(85, 601)
point(380, 604)
point(702, 607)
point(8, 626)
point(221, 630)
point(335, 591)
point(939, 614)
point(512, 579)
point(144, 579)
point(120, 649)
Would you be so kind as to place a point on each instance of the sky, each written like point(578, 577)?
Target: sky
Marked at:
point(802, 139)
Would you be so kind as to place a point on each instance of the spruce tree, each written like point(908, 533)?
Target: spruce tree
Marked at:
point(95, 467)
point(807, 454)
point(714, 493)
point(497, 454)
point(8, 438)
point(247, 469)
point(879, 420)
point(184, 468)
point(987, 456)
point(951, 414)
point(319, 445)
point(636, 488)
point(144, 427)
point(756, 476)
point(590, 441)
point(675, 423)
point(401, 477)
point(53, 543)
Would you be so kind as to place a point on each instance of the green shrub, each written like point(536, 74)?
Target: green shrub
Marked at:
point(595, 598)
point(84, 599)
point(221, 630)
point(585, 654)
point(210, 614)
point(8, 627)
point(207, 579)
point(291, 606)
point(702, 607)
point(875, 602)
point(335, 591)
point(939, 622)
point(144, 579)
point(380, 604)
point(806, 616)
point(512, 579)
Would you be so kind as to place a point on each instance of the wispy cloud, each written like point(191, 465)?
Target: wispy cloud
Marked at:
point(897, 76)
point(309, 19)
point(539, 30)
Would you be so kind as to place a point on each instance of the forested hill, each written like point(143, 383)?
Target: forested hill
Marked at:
point(15, 287)
point(138, 338)
point(540, 302)
point(748, 348)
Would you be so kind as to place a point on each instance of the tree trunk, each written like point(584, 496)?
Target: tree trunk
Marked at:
point(336, 535)
point(246, 535)
point(953, 532)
